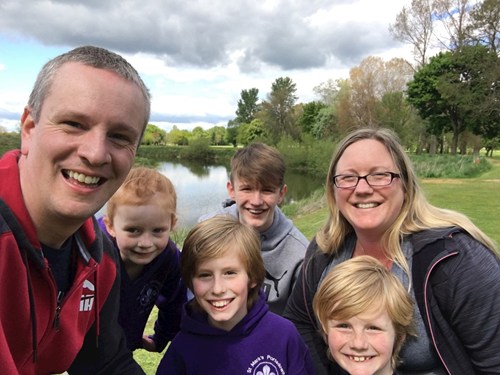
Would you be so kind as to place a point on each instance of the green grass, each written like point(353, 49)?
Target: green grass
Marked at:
point(478, 198)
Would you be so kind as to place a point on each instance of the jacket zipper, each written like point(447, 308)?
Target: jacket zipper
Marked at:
point(60, 297)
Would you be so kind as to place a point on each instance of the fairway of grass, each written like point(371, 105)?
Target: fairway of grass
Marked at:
point(478, 198)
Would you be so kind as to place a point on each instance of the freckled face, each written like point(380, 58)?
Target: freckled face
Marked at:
point(80, 150)
point(363, 344)
point(255, 203)
point(371, 211)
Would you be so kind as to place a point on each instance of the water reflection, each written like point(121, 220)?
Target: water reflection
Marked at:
point(202, 188)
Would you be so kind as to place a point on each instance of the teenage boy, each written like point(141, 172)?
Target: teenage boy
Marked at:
point(256, 188)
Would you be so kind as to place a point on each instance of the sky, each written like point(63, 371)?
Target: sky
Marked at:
point(197, 55)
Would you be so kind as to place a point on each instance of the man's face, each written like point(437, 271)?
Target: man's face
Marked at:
point(83, 146)
point(255, 203)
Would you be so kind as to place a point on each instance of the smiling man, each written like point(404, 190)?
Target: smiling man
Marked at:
point(79, 134)
point(256, 188)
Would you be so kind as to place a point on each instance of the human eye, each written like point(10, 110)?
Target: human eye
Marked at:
point(73, 124)
point(346, 180)
point(340, 325)
point(231, 272)
point(269, 190)
point(132, 230)
point(380, 176)
point(203, 275)
point(159, 230)
point(121, 139)
point(374, 328)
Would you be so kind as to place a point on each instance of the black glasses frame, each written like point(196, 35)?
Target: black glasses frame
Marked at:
point(393, 176)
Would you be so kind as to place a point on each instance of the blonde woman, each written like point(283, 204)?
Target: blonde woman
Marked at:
point(377, 208)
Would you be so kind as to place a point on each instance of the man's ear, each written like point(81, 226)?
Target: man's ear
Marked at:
point(283, 190)
point(230, 189)
point(27, 127)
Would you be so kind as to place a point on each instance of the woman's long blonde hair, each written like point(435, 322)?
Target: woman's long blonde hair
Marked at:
point(417, 213)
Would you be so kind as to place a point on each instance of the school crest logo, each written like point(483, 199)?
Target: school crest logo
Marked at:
point(265, 365)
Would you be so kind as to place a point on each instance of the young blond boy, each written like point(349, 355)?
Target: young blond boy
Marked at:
point(227, 327)
point(365, 314)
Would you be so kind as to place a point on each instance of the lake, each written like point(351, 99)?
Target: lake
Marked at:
point(202, 188)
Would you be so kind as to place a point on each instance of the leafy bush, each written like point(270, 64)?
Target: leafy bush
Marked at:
point(449, 166)
point(198, 149)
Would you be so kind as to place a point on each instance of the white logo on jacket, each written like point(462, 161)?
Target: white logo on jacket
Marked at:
point(87, 300)
point(265, 365)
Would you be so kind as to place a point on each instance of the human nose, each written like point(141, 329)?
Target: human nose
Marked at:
point(358, 341)
point(145, 241)
point(256, 198)
point(218, 285)
point(363, 184)
point(94, 148)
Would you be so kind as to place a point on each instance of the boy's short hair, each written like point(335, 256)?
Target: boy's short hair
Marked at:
point(213, 238)
point(139, 187)
point(360, 285)
point(258, 163)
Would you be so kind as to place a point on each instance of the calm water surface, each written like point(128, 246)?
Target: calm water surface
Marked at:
point(202, 189)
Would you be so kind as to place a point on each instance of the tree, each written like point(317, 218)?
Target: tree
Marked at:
point(458, 91)
point(370, 81)
point(153, 135)
point(309, 115)
point(217, 135)
point(484, 28)
point(453, 16)
point(278, 113)
point(178, 137)
point(247, 106)
point(325, 124)
point(232, 132)
point(328, 91)
point(414, 25)
point(394, 112)
point(255, 131)
point(199, 132)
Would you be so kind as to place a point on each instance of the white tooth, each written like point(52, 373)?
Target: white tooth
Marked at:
point(219, 303)
point(80, 177)
point(366, 205)
point(359, 359)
